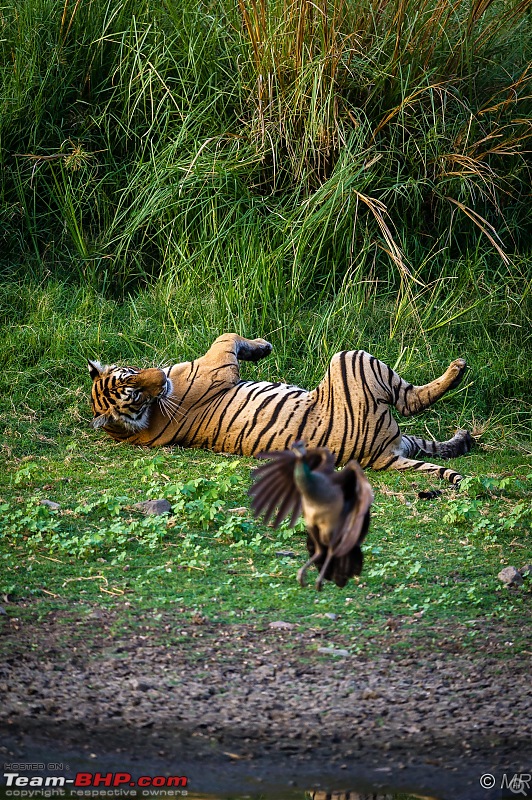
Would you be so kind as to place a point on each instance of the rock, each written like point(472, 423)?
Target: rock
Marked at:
point(141, 685)
point(369, 694)
point(50, 504)
point(285, 554)
point(510, 576)
point(330, 615)
point(281, 624)
point(526, 571)
point(153, 507)
point(241, 511)
point(333, 651)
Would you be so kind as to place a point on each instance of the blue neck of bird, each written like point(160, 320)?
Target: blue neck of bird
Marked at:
point(304, 478)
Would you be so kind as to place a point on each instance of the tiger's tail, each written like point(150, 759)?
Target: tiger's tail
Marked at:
point(460, 444)
point(411, 446)
point(402, 463)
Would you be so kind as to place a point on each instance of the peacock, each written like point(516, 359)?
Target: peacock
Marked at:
point(335, 507)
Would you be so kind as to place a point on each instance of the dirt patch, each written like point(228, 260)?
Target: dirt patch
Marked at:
point(237, 703)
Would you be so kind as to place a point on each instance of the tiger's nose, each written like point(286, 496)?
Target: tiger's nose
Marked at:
point(152, 381)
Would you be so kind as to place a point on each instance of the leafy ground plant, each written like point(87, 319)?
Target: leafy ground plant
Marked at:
point(426, 563)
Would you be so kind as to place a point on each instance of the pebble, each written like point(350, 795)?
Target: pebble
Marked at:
point(333, 651)
point(153, 507)
point(510, 576)
point(50, 504)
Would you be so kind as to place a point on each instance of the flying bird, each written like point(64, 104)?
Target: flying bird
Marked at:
point(335, 506)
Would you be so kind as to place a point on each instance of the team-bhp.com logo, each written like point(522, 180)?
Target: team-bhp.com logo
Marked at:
point(119, 783)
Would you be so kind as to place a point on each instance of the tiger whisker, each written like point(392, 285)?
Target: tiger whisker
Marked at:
point(169, 407)
point(169, 402)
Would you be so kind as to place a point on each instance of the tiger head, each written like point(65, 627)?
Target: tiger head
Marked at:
point(123, 396)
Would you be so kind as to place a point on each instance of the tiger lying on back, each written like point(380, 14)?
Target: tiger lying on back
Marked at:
point(203, 403)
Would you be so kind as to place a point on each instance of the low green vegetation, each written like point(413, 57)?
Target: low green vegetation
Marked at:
point(324, 175)
point(427, 564)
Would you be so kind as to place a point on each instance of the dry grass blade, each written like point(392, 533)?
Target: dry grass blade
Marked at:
point(484, 226)
point(512, 92)
point(378, 209)
point(513, 14)
point(431, 29)
point(63, 35)
point(413, 97)
point(254, 24)
point(477, 11)
point(469, 165)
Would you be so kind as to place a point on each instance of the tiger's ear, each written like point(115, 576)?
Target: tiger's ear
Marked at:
point(99, 422)
point(95, 369)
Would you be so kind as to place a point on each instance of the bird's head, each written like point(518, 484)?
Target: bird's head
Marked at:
point(299, 448)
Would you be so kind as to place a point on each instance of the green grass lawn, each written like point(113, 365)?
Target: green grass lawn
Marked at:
point(351, 177)
point(430, 571)
point(431, 567)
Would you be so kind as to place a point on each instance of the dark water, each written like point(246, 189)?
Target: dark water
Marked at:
point(312, 795)
point(20, 793)
point(37, 774)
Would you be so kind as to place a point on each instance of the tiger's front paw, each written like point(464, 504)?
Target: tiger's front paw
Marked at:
point(254, 349)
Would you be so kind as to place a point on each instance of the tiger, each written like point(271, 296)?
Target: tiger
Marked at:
point(204, 404)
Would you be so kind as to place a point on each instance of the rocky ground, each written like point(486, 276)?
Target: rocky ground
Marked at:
point(241, 708)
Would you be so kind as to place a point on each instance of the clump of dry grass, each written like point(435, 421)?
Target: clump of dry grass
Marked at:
point(334, 137)
point(421, 89)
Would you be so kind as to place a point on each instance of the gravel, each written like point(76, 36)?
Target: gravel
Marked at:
point(244, 705)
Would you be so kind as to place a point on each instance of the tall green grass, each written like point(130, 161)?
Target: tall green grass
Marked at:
point(328, 175)
point(141, 138)
point(45, 383)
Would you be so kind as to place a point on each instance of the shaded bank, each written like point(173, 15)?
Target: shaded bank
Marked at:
point(243, 708)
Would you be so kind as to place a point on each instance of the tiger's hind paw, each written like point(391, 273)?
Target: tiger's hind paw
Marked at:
point(459, 445)
point(465, 442)
point(458, 367)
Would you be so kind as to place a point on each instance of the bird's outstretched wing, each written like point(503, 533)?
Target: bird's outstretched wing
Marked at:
point(274, 487)
point(359, 497)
